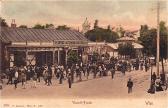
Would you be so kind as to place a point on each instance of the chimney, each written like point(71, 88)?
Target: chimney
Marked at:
point(13, 23)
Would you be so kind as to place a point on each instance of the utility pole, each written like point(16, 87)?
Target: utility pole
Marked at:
point(158, 37)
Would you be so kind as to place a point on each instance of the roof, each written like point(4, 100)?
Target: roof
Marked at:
point(126, 38)
point(137, 45)
point(113, 45)
point(9, 34)
point(96, 43)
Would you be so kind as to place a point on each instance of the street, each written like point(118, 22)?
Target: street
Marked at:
point(103, 87)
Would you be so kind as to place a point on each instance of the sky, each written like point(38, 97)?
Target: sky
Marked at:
point(130, 14)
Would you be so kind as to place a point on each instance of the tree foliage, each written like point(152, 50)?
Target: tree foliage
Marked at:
point(49, 26)
point(23, 26)
point(101, 34)
point(148, 40)
point(96, 24)
point(62, 27)
point(126, 49)
point(72, 57)
point(46, 26)
point(143, 30)
point(163, 40)
point(38, 26)
point(3, 22)
point(98, 34)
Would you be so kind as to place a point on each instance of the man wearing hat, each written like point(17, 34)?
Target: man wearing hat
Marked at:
point(69, 78)
point(130, 85)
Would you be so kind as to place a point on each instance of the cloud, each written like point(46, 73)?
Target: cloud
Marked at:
point(74, 12)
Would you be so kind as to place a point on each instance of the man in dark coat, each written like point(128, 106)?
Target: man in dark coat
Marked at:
point(38, 71)
point(10, 75)
point(61, 77)
point(49, 75)
point(146, 66)
point(123, 69)
point(153, 77)
point(94, 70)
point(69, 80)
point(112, 73)
point(49, 78)
point(72, 73)
point(137, 64)
point(152, 87)
point(162, 78)
point(129, 85)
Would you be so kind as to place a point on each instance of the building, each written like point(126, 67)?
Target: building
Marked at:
point(112, 48)
point(99, 47)
point(27, 46)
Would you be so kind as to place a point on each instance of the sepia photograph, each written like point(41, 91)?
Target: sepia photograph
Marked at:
point(83, 53)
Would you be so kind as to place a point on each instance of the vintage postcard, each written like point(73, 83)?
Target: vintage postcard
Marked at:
point(83, 53)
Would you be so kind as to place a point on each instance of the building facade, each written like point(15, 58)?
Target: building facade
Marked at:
point(112, 48)
point(27, 46)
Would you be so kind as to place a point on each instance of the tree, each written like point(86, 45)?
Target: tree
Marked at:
point(148, 40)
point(46, 26)
point(126, 49)
point(62, 27)
point(72, 57)
point(23, 26)
point(108, 27)
point(49, 26)
point(3, 22)
point(101, 34)
point(96, 24)
point(163, 42)
point(143, 30)
point(39, 26)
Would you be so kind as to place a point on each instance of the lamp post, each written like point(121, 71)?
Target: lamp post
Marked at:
point(151, 63)
point(158, 37)
point(151, 71)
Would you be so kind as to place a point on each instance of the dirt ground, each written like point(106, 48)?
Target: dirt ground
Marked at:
point(105, 88)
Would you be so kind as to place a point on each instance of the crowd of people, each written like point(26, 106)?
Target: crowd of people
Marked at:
point(75, 72)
